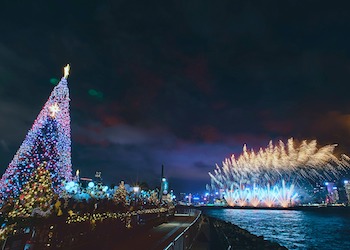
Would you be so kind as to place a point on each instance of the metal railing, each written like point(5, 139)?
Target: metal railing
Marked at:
point(185, 239)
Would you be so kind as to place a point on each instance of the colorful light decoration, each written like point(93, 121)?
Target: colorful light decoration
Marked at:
point(36, 196)
point(48, 140)
point(54, 109)
point(120, 194)
point(259, 178)
point(93, 217)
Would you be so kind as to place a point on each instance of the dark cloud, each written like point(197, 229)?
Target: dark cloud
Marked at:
point(179, 83)
point(19, 119)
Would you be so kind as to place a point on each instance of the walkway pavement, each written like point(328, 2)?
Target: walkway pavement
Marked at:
point(204, 238)
point(153, 238)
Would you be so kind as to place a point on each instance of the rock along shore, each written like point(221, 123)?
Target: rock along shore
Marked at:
point(226, 234)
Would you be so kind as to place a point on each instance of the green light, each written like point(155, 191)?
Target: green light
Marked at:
point(96, 94)
point(93, 92)
point(54, 81)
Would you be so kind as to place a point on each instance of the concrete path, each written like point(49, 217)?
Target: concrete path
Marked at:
point(204, 238)
point(154, 238)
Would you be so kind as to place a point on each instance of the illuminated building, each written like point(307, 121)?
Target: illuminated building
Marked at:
point(164, 186)
point(347, 190)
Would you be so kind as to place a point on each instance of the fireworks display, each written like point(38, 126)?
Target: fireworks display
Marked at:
point(257, 178)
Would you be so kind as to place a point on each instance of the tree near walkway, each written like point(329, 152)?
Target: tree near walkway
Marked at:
point(120, 194)
point(36, 196)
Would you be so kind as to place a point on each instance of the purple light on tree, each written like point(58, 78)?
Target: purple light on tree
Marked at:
point(47, 141)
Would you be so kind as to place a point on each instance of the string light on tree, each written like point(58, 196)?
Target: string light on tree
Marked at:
point(36, 195)
point(120, 195)
point(48, 140)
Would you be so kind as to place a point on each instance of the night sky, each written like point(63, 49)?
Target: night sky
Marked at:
point(180, 83)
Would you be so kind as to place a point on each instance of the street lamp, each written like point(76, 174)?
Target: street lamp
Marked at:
point(136, 189)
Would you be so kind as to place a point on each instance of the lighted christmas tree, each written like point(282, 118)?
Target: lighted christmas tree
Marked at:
point(37, 195)
point(154, 197)
point(47, 141)
point(120, 194)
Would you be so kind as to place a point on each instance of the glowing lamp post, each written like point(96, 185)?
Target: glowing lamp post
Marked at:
point(136, 189)
point(91, 184)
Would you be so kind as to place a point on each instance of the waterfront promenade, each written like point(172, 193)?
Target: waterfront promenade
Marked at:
point(157, 237)
point(179, 232)
point(187, 228)
point(192, 230)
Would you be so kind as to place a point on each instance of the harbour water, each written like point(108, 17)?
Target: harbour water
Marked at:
point(292, 229)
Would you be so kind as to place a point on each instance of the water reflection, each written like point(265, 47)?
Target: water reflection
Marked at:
point(292, 229)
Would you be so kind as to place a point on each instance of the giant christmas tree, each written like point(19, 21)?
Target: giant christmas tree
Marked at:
point(47, 141)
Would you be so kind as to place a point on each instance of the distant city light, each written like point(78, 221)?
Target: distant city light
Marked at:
point(346, 182)
point(91, 184)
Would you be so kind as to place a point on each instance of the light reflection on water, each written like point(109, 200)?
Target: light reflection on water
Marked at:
point(292, 229)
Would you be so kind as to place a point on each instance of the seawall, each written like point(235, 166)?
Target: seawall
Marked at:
point(226, 235)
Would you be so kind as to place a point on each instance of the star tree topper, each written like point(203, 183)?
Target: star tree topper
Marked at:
point(66, 71)
point(54, 109)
